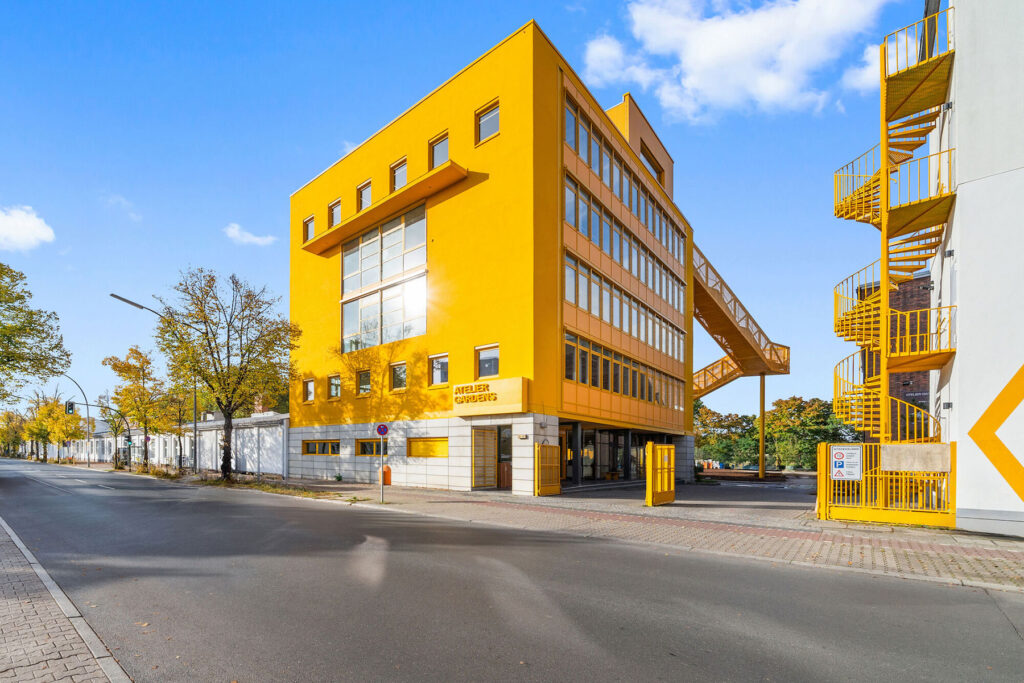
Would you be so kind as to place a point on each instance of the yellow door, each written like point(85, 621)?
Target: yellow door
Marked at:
point(547, 471)
point(661, 474)
point(485, 457)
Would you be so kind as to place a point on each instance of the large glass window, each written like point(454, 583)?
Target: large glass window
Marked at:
point(570, 125)
point(570, 279)
point(390, 314)
point(383, 252)
point(570, 202)
point(487, 362)
point(487, 124)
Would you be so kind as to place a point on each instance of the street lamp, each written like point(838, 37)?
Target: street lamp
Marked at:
point(195, 382)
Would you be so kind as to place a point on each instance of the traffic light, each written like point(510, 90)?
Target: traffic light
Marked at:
point(128, 440)
point(69, 407)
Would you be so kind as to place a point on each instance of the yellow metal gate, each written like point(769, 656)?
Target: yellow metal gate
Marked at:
point(885, 496)
point(661, 474)
point(485, 457)
point(547, 470)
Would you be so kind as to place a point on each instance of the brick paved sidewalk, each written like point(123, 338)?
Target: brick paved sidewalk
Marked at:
point(38, 640)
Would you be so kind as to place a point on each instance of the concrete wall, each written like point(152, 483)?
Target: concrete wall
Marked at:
point(984, 274)
point(453, 472)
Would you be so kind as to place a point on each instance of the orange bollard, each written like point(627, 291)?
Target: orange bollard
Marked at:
point(387, 475)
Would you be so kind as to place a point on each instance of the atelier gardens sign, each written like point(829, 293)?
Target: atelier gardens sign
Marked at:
point(490, 397)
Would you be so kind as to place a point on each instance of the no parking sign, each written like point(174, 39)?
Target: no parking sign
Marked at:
point(845, 462)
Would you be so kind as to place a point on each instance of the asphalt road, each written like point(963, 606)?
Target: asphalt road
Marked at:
point(209, 584)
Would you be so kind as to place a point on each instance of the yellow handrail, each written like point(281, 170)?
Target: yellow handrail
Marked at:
point(911, 424)
point(854, 176)
point(919, 42)
point(928, 330)
point(716, 372)
point(776, 354)
point(922, 178)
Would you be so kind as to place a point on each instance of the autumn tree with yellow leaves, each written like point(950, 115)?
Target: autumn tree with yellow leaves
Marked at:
point(141, 396)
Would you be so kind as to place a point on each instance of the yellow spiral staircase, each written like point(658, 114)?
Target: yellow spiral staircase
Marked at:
point(908, 199)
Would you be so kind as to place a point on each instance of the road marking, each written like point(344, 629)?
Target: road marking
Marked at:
point(81, 481)
point(46, 483)
point(105, 487)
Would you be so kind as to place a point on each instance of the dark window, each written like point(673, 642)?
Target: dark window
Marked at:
point(438, 152)
point(487, 124)
point(570, 361)
point(363, 382)
point(487, 362)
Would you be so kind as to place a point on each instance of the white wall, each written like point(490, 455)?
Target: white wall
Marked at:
point(985, 274)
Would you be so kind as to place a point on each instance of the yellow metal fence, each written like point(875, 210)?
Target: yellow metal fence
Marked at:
point(890, 497)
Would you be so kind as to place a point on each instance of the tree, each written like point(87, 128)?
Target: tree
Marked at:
point(115, 422)
point(179, 406)
point(141, 396)
point(37, 428)
point(729, 438)
point(227, 334)
point(61, 426)
point(31, 346)
point(794, 427)
point(12, 425)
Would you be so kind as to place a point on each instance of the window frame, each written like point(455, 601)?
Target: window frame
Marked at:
point(432, 144)
point(333, 447)
point(492, 106)
point(330, 384)
point(391, 376)
point(401, 163)
point(430, 370)
point(308, 228)
point(369, 385)
point(476, 366)
point(368, 186)
point(376, 443)
point(308, 387)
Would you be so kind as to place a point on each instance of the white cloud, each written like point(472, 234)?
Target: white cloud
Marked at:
point(21, 229)
point(238, 235)
point(121, 202)
point(702, 59)
point(347, 146)
point(864, 77)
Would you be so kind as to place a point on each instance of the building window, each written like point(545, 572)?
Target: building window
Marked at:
point(439, 369)
point(487, 362)
point(427, 447)
point(370, 447)
point(570, 279)
point(308, 229)
point(570, 357)
point(439, 151)
point(364, 196)
point(334, 214)
point(390, 314)
point(385, 251)
point(653, 166)
point(363, 382)
point(487, 124)
point(308, 389)
point(334, 386)
point(321, 448)
point(398, 175)
point(398, 377)
point(570, 124)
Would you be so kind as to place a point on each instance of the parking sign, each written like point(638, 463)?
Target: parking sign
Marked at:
point(845, 462)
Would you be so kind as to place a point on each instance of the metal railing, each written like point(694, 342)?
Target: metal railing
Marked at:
point(922, 178)
point(854, 191)
point(928, 330)
point(911, 424)
point(776, 354)
point(919, 42)
point(719, 372)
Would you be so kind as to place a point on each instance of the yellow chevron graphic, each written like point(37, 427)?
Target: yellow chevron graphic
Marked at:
point(984, 433)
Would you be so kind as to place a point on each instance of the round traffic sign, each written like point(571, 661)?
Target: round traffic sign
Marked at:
point(382, 430)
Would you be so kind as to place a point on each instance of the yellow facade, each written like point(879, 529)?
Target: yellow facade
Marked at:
point(496, 244)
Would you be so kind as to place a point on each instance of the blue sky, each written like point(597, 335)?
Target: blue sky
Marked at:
point(138, 132)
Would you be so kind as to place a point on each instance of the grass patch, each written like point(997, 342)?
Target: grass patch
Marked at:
point(271, 487)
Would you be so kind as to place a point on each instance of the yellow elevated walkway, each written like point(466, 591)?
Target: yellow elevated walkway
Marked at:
point(749, 351)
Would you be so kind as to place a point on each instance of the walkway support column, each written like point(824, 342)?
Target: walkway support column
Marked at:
point(760, 451)
point(577, 456)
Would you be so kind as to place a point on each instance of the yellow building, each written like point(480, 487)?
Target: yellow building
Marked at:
point(500, 266)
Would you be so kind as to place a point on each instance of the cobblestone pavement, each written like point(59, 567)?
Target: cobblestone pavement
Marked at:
point(39, 642)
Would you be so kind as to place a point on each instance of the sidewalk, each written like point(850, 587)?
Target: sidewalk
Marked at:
point(42, 631)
